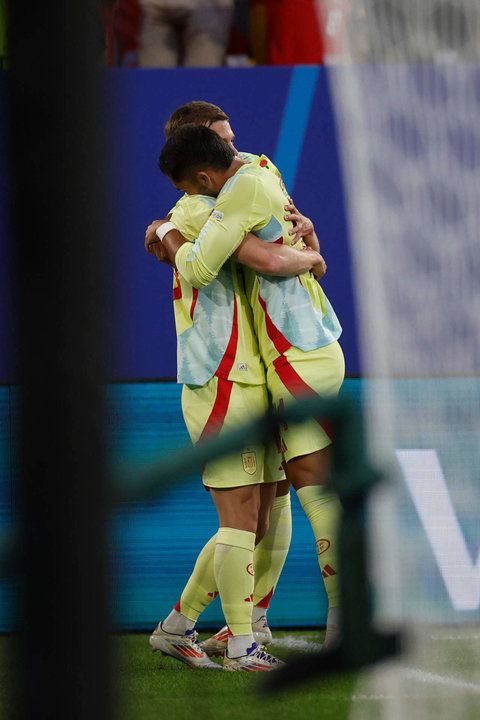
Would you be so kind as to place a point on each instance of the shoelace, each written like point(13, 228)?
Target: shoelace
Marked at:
point(193, 635)
point(260, 653)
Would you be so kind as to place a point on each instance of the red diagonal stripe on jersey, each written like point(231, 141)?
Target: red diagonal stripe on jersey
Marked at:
point(177, 288)
point(194, 301)
point(280, 341)
point(297, 387)
point(220, 406)
point(228, 359)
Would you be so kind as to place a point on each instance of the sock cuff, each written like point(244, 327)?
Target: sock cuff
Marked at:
point(236, 538)
point(281, 501)
point(310, 493)
point(190, 612)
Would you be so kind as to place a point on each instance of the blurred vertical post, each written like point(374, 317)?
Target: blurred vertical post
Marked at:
point(55, 137)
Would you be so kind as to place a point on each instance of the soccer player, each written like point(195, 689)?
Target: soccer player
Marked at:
point(224, 384)
point(200, 112)
point(295, 324)
point(271, 552)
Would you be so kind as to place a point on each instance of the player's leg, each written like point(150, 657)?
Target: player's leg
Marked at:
point(268, 560)
point(307, 452)
point(220, 569)
point(176, 635)
point(233, 562)
point(272, 543)
point(238, 509)
point(234, 485)
point(270, 552)
point(229, 555)
point(308, 474)
point(158, 41)
point(207, 32)
point(197, 594)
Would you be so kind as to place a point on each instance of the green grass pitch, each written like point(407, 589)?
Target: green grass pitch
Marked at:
point(148, 684)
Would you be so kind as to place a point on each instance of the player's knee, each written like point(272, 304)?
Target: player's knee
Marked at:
point(262, 529)
point(311, 469)
point(300, 476)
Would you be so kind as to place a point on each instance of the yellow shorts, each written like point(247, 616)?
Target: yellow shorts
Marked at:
point(221, 406)
point(297, 374)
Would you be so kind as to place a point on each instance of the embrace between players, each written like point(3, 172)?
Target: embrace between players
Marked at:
point(253, 327)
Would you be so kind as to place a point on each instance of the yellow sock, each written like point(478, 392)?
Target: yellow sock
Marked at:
point(201, 587)
point(234, 575)
point(270, 553)
point(323, 509)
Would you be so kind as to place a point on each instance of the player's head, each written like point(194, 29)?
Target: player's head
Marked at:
point(196, 160)
point(202, 113)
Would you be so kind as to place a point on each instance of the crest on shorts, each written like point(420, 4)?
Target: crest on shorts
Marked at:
point(249, 460)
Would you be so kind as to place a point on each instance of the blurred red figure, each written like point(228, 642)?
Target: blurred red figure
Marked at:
point(121, 23)
point(293, 32)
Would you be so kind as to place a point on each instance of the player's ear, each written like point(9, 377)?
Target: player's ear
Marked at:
point(203, 178)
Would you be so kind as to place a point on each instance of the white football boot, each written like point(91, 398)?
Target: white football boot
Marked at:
point(182, 647)
point(256, 660)
point(217, 644)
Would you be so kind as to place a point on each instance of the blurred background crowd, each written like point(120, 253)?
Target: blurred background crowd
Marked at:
point(208, 33)
point(203, 33)
point(237, 33)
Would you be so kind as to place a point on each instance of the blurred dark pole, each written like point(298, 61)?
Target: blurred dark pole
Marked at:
point(55, 141)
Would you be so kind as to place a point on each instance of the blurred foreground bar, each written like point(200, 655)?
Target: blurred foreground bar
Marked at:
point(56, 181)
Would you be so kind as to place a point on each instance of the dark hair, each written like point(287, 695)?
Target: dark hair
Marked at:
point(192, 148)
point(197, 112)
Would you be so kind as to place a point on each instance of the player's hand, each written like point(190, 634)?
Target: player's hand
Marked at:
point(151, 238)
point(302, 225)
point(320, 268)
point(153, 244)
point(160, 253)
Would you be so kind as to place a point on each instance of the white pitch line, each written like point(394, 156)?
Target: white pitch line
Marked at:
point(447, 680)
point(455, 637)
point(296, 643)
point(428, 678)
point(303, 644)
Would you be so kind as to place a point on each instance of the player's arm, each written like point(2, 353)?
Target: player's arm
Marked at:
point(165, 241)
point(235, 214)
point(267, 258)
point(273, 259)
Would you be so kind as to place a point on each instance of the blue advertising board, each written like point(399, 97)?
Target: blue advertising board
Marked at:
point(283, 112)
